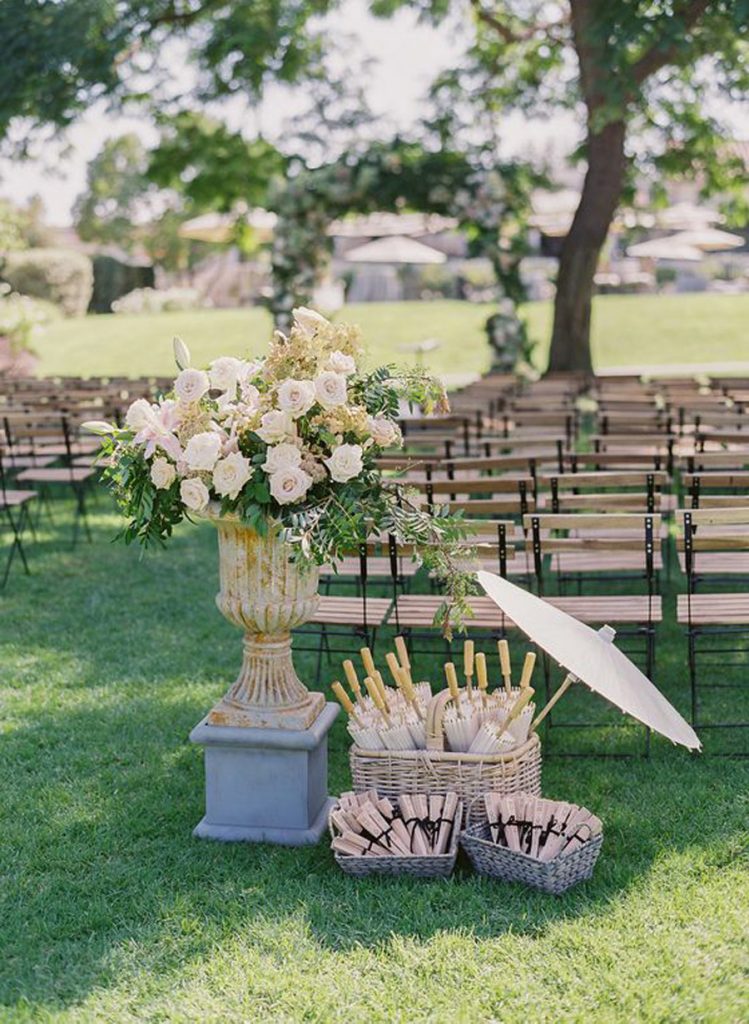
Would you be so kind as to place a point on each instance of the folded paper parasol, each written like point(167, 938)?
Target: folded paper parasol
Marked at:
point(591, 657)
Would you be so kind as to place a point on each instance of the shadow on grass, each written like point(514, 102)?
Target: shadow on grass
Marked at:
point(100, 800)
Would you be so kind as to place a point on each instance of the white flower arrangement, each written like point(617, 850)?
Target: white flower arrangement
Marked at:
point(292, 439)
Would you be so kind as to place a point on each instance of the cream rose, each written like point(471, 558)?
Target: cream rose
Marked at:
point(191, 385)
point(282, 456)
point(194, 494)
point(345, 463)
point(231, 474)
point(296, 397)
point(163, 473)
point(140, 414)
point(276, 426)
point(308, 321)
point(339, 362)
point(250, 397)
point(384, 432)
point(202, 450)
point(289, 485)
point(224, 372)
point(330, 388)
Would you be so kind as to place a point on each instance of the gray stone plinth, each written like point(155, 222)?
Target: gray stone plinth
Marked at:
point(265, 785)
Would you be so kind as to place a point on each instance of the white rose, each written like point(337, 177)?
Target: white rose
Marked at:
point(308, 321)
point(296, 397)
point(139, 415)
point(345, 463)
point(194, 494)
point(162, 473)
point(289, 485)
point(202, 450)
point(282, 456)
point(224, 372)
point(248, 370)
point(341, 363)
point(330, 388)
point(231, 474)
point(384, 432)
point(276, 426)
point(250, 398)
point(191, 385)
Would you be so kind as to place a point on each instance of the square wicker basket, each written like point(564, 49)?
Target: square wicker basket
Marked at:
point(437, 866)
point(554, 876)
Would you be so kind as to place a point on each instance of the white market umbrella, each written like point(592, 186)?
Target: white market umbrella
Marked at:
point(709, 239)
point(666, 249)
point(591, 657)
point(395, 249)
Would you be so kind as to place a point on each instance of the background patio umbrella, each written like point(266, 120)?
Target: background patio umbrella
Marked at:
point(666, 249)
point(708, 239)
point(395, 249)
point(590, 657)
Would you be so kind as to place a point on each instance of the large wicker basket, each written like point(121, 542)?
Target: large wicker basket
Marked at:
point(555, 876)
point(439, 771)
point(437, 866)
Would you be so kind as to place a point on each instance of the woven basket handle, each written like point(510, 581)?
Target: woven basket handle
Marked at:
point(435, 716)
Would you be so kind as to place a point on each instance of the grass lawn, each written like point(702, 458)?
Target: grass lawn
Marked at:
point(627, 330)
point(111, 911)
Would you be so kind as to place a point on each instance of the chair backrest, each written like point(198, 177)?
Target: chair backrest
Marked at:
point(700, 488)
point(550, 533)
point(604, 490)
point(710, 530)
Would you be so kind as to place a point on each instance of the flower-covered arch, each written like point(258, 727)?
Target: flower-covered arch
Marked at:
point(490, 201)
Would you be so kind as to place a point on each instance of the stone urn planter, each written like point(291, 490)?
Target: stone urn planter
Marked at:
point(265, 593)
point(265, 741)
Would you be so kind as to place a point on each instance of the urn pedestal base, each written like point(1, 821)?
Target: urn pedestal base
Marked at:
point(265, 785)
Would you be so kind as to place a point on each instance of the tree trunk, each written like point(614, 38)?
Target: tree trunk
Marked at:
point(604, 180)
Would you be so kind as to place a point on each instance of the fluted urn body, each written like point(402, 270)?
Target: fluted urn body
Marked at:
point(267, 595)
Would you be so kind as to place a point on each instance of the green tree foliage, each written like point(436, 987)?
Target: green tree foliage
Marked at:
point(211, 166)
point(644, 77)
point(116, 194)
point(642, 74)
point(61, 55)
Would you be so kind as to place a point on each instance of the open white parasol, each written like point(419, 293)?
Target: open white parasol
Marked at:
point(590, 657)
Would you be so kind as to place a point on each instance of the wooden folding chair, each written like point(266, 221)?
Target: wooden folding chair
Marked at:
point(14, 506)
point(715, 547)
point(75, 478)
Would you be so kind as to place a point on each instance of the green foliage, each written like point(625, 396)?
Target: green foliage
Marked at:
point(61, 54)
point(213, 167)
point(60, 276)
point(22, 227)
point(22, 319)
point(116, 194)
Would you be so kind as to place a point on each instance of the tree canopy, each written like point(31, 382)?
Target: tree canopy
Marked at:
point(642, 74)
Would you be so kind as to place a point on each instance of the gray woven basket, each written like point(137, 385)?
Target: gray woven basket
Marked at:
point(554, 876)
point(439, 866)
